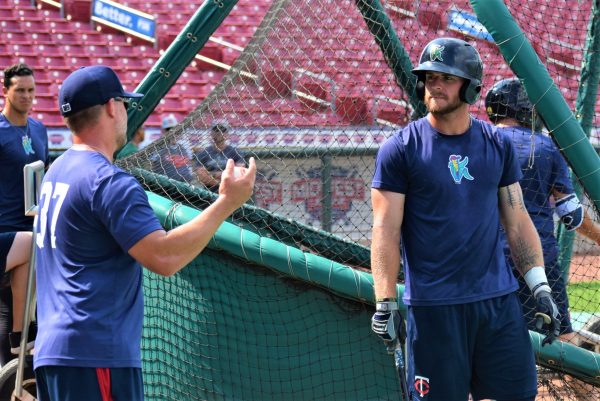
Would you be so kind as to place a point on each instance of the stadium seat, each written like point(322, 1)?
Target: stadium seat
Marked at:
point(353, 109)
point(23, 49)
point(50, 119)
point(95, 50)
point(276, 83)
point(212, 52)
point(66, 38)
point(41, 38)
point(6, 12)
point(10, 25)
point(171, 104)
point(45, 103)
point(78, 10)
point(17, 37)
point(58, 75)
point(27, 13)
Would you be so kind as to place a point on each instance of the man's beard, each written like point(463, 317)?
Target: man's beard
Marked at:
point(440, 111)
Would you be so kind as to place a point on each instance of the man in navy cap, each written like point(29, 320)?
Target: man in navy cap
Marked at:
point(95, 230)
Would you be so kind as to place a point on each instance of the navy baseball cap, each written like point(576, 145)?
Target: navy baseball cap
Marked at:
point(90, 86)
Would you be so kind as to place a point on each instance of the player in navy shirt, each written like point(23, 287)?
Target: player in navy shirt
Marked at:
point(546, 188)
point(23, 140)
point(441, 188)
point(210, 162)
point(95, 230)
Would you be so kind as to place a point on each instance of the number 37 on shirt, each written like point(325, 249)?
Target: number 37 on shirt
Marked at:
point(54, 193)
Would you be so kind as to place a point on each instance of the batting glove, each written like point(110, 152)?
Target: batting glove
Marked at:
point(547, 316)
point(388, 323)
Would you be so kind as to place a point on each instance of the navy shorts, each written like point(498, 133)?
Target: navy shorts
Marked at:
point(6, 241)
point(66, 383)
point(559, 293)
point(480, 347)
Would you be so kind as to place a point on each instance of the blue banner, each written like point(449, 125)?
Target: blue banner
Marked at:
point(124, 18)
point(468, 24)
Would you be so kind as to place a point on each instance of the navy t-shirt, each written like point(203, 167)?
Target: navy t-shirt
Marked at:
point(19, 145)
point(543, 171)
point(89, 289)
point(450, 232)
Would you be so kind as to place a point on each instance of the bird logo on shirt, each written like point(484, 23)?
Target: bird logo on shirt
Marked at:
point(458, 168)
point(27, 147)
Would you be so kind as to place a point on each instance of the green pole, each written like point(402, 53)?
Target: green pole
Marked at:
point(326, 191)
point(584, 112)
point(542, 91)
point(175, 59)
point(396, 56)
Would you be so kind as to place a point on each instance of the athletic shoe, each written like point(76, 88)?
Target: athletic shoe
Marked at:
point(14, 338)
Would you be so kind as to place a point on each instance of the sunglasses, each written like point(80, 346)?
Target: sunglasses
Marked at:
point(125, 101)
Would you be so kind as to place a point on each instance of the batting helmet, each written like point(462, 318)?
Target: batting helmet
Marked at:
point(455, 57)
point(508, 98)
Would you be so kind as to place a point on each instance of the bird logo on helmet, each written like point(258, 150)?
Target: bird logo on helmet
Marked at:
point(455, 57)
point(435, 53)
point(508, 99)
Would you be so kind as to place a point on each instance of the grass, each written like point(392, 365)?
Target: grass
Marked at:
point(585, 296)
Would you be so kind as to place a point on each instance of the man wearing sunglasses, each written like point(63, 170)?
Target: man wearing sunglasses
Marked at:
point(95, 230)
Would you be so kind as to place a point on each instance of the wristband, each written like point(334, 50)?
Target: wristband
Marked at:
point(536, 280)
point(386, 306)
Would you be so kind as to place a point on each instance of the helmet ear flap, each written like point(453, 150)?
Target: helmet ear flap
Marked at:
point(469, 92)
point(420, 89)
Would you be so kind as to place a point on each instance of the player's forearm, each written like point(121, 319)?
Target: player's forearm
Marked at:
point(185, 242)
point(525, 246)
point(166, 253)
point(385, 261)
point(589, 229)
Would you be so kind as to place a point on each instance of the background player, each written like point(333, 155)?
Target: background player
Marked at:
point(23, 140)
point(210, 162)
point(546, 188)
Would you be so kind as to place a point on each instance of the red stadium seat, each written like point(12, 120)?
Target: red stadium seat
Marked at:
point(78, 10)
point(50, 119)
point(10, 25)
point(66, 38)
point(6, 12)
point(58, 75)
point(45, 103)
point(17, 37)
point(27, 13)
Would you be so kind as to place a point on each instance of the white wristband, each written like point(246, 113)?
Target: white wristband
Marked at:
point(536, 280)
point(386, 306)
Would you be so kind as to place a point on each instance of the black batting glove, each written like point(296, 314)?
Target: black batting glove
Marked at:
point(547, 316)
point(388, 323)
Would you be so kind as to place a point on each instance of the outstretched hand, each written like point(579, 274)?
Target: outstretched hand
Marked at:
point(237, 183)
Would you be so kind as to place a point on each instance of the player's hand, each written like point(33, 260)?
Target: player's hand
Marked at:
point(547, 316)
point(388, 323)
point(237, 183)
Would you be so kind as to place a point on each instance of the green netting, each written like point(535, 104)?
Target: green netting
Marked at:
point(223, 329)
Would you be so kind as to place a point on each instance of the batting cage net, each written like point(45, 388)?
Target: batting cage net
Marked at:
point(316, 90)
